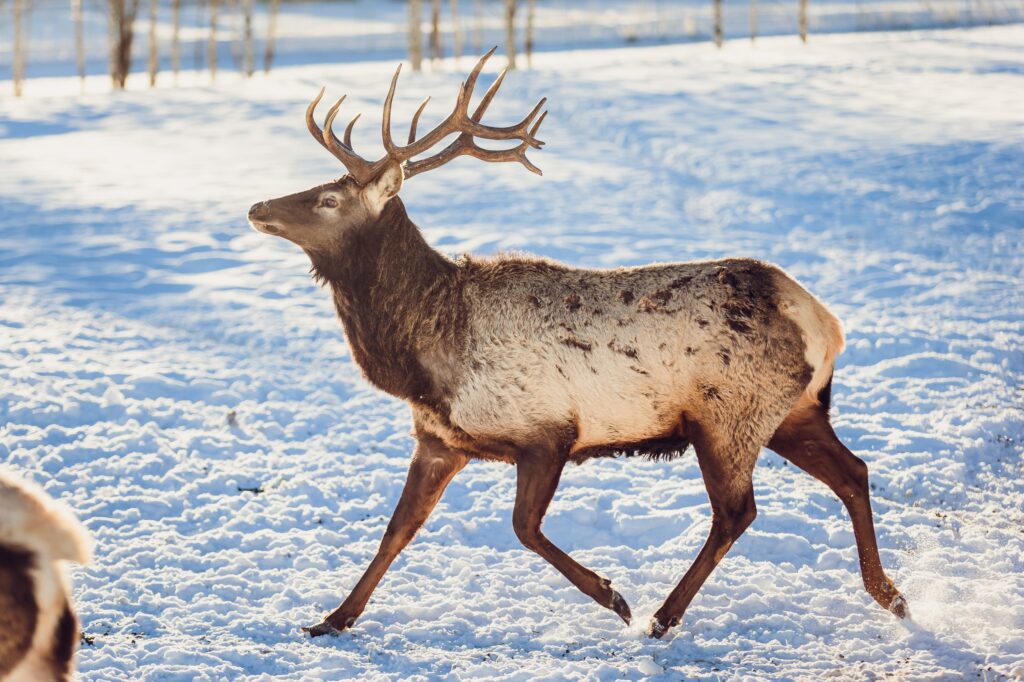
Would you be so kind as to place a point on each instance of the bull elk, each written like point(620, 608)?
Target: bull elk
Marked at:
point(526, 361)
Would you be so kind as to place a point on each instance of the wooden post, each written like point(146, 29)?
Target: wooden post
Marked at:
point(268, 53)
point(416, 34)
point(18, 67)
point(435, 31)
point(154, 55)
point(478, 26)
point(456, 30)
point(510, 33)
point(176, 39)
point(531, 10)
point(247, 60)
point(718, 23)
point(76, 12)
point(753, 20)
point(211, 44)
point(803, 20)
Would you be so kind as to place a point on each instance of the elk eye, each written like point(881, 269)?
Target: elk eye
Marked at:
point(330, 202)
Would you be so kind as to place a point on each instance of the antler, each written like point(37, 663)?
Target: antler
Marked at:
point(360, 169)
point(459, 121)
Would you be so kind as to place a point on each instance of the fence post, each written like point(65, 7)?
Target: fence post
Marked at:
point(803, 20)
point(247, 59)
point(718, 23)
point(18, 67)
point(435, 31)
point(478, 26)
point(456, 30)
point(154, 56)
point(76, 11)
point(268, 52)
point(176, 39)
point(753, 20)
point(415, 35)
point(510, 33)
point(531, 9)
point(211, 45)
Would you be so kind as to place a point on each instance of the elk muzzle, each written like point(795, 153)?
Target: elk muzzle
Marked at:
point(259, 218)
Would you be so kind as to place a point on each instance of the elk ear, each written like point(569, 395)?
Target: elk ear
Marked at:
point(381, 189)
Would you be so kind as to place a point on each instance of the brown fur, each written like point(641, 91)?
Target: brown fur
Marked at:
point(18, 610)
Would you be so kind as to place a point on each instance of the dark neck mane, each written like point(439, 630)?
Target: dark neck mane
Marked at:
point(397, 299)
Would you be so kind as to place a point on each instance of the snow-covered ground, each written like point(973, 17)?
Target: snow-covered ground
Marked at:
point(178, 379)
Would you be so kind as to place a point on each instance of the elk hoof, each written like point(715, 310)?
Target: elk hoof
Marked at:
point(899, 607)
point(657, 629)
point(330, 628)
point(620, 607)
point(323, 628)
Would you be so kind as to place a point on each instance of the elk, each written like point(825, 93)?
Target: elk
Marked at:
point(526, 361)
point(38, 625)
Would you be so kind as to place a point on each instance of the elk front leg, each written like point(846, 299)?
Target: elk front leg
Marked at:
point(537, 479)
point(727, 479)
point(433, 467)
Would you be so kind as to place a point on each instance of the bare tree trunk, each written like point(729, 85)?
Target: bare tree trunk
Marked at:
point(175, 42)
point(753, 20)
point(718, 23)
point(268, 54)
point(122, 15)
point(416, 34)
point(435, 30)
point(18, 67)
point(456, 30)
point(803, 20)
point(154, 55)
point(478, 26)
point(510, 32)
point(76, 13)
point(211, 45)
point(247, 59)
point(531, 9)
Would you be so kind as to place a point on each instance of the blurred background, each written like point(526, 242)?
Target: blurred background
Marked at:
point(157, 39)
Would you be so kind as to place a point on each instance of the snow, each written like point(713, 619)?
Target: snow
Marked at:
point(178, 380)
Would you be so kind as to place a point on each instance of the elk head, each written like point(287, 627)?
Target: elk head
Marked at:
point(318, 218)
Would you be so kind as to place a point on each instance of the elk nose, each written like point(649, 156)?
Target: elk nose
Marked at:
point(259, 211)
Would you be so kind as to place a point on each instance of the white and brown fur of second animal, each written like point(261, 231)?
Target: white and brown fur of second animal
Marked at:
point(38, 626)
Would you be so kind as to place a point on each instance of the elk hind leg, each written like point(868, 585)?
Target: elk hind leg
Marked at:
point(806, 439)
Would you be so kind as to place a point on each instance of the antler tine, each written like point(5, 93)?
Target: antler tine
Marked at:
point(466, 145)
point(314, 129)
point(416, 120)
point(329, 118)
point(474, 74)
point(488, 96)
point(385, 126)
point(358, 167)
point(518, 131)
point(348, 131)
